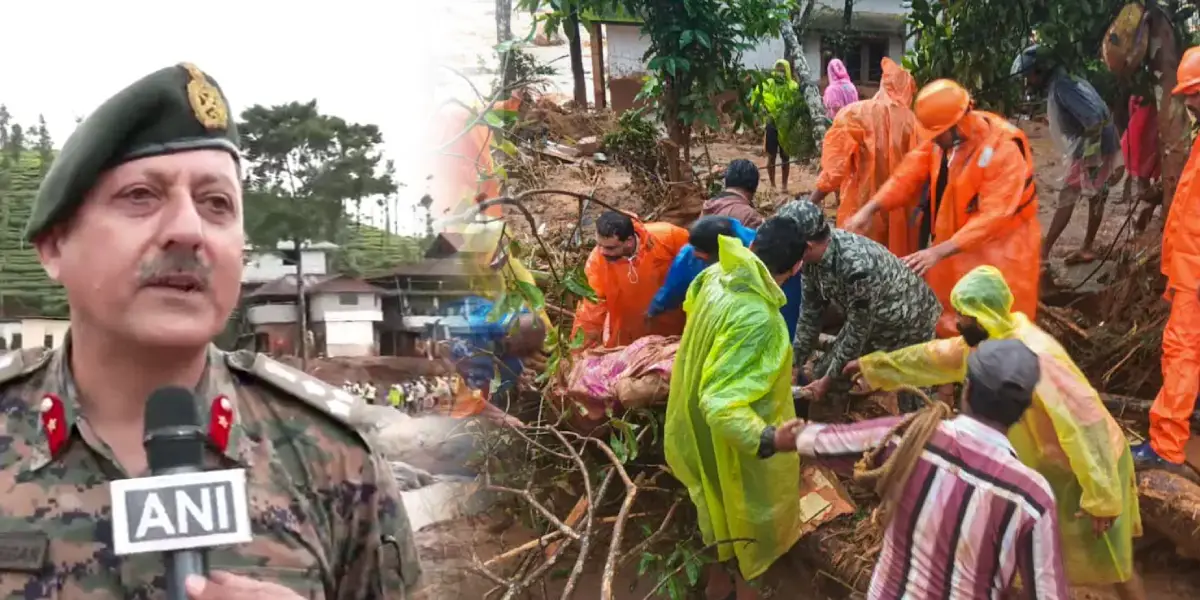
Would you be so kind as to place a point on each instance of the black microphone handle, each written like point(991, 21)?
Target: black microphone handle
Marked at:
point(182, 563)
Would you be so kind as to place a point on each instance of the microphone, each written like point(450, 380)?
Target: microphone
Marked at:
point(174, 444)
point(181, 509)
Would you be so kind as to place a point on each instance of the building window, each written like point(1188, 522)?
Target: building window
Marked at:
point(3, 344)
point(48, 341)
point(346, 299)
point(16, 342)
point(861, 60)
point(290, 257)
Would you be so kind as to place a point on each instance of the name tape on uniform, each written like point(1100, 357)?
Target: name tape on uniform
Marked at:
point(180, 511)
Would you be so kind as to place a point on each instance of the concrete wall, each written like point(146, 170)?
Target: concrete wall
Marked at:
point(7, 330)
point(34, 332)
point(271, 313)
point(331, 308)
point(350, 338)
point(264, 267)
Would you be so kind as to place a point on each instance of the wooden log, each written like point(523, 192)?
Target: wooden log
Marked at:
point(1170, 506)
point(1137, 408)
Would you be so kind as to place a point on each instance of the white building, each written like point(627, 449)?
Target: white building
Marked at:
point(342, 315)
point(879, 26)
point(262, 267)
point(16, 334)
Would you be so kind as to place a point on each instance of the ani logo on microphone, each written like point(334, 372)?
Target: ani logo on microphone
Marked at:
point(181, 511)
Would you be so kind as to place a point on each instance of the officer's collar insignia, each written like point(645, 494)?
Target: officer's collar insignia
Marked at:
point(206, 100)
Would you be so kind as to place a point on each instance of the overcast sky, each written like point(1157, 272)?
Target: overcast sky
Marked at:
point(371, 61)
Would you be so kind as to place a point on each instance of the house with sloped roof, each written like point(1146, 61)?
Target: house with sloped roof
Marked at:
point(877, 29)
point(343, 314)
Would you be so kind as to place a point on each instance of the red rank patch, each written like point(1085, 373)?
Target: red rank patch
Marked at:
point(54, 422)
point(220, 422)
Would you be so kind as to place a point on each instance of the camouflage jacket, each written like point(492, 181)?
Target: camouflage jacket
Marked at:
point(878, 294)
point(326, 514)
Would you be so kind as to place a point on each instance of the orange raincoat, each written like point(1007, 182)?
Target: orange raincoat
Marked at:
point(624, 289)
point(867, 141)
point(1172, 410)
point(987, 207)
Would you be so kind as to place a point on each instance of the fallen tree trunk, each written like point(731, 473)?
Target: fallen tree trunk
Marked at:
point(1138, 408)
point(1170, 506)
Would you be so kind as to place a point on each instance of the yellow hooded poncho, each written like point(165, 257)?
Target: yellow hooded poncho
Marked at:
point(732, 378)
point(1067, 435)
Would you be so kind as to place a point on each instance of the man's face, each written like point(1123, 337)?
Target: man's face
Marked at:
point(1192, 101)
point(154, 253)
point(614, 249)
point(972, 332)
point(947, 139)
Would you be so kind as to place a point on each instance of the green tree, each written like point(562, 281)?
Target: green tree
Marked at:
point(44, 144)
point(695, 53)
point(16, 143)
point(5, 119)
point(306, 169)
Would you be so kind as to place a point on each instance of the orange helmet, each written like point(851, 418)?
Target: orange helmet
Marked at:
point(940, 106)
point(1188, 75)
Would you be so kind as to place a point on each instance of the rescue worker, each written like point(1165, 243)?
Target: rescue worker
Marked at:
point(702, 251)
point(1067, 435)
point(866, 142)
point(625, 270)
point(1083, 128)
point(737, 199)
point(731, 378)
point(887, 306)
point(982, 203)
point(772, 96)
point(1172, 410)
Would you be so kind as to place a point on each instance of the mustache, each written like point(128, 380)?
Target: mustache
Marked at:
point(175, 268)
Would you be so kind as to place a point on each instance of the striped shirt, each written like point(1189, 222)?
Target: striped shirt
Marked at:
point(971, 517)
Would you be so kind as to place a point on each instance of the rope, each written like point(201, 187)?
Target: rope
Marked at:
point(914, 431)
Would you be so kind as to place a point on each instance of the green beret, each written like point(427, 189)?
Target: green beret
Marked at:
point(175, 109)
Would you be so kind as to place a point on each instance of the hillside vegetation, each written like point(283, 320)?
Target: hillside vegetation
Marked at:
point(25, 290)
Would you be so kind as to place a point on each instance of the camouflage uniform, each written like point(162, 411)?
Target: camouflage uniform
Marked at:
point(326, 512)
point(887, 306)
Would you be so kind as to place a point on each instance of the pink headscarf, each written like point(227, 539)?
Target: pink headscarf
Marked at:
point(840, 91)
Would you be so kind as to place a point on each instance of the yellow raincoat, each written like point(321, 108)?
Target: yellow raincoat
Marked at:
point(732, 378)
point(1067, 435)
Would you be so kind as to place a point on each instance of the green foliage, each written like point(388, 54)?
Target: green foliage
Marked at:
point(1069, 34)
point(304, 169)
point(366, 250)
point(25, 290)
point(948, 45)
point(634, 145)
point(677, 569)
point(696, 48)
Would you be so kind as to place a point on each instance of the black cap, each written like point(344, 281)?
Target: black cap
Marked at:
point(1004, 369)
point(176, 109)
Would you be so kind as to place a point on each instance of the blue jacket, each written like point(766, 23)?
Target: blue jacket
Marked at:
point(687, 266)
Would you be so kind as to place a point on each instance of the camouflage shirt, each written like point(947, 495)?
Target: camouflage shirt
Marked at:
point(326, 514)
point(878, 294)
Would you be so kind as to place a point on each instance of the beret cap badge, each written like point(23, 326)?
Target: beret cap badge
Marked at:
point(206, 100)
